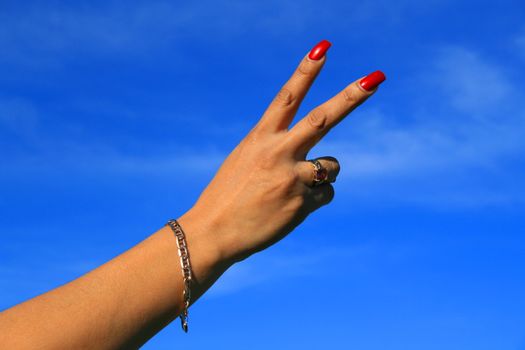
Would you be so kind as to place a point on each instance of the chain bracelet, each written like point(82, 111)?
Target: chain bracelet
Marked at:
point(184, 256)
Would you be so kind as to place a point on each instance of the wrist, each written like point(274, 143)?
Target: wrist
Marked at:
point(207, 258)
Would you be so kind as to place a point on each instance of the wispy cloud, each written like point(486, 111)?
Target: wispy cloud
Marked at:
point(49, 34)
point(470, 122)
point(35, 147)
point(471, 83)
point(466, 118)
point(271, 266)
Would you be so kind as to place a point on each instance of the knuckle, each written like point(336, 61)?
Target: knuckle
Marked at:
point(285, 97)
point(351, 95)
point(336, 166)
point(267, 162)
point(289, 179)
point(317, 119)
point(306, 68)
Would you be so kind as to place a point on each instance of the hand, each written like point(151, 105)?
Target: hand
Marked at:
point(261, 192)
point(265, 187)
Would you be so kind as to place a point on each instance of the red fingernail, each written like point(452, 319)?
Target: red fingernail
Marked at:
point(319, 50)
point(372, 80)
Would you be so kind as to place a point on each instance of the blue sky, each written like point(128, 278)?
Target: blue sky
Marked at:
point(101, 103)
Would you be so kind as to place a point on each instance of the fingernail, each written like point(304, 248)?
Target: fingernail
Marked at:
point(372, 80)
point(319, 50)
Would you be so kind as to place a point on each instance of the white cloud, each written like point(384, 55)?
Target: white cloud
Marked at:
point(47, 34)
point(470, 122)
point(467, 116)
point(472, 84)
point(272, 265)
point(50, 34)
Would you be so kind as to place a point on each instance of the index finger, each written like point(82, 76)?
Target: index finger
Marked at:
point(282, 109)
point(309, 130)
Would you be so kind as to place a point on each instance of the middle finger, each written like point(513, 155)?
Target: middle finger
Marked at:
point(309, 130)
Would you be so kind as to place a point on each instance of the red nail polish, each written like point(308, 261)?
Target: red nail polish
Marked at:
point(319, 50)
point(372, 80)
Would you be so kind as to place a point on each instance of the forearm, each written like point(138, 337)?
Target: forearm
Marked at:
point(122, 303)
point(261, 192)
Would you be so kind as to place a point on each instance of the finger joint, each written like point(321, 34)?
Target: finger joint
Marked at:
point(306, 68)
point(285, 97)
point(317, 119)
point(351, 96)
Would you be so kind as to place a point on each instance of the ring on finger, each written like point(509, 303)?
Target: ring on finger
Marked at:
point(320, 173)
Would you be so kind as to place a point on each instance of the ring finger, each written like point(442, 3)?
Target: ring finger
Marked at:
point(307, 170)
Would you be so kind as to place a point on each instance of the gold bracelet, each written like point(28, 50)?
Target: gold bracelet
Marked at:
point(184, 256)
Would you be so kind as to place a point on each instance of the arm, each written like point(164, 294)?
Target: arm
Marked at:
point(121, 304)
point(261, 192)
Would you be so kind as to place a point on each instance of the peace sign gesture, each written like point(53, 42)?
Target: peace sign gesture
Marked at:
point(264, 189)
point(266, 186)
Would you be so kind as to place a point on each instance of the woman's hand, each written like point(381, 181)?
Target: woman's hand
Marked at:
point(265, 187)
point(261, 192)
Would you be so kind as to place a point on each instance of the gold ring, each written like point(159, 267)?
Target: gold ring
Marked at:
point(320, 173)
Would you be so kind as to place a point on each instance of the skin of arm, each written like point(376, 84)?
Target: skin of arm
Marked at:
point(261, 192)
point(121, 304)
